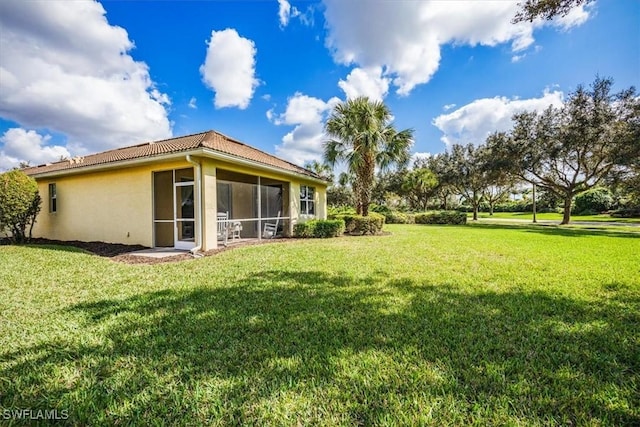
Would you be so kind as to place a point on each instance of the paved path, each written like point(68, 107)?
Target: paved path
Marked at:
point(556, 222)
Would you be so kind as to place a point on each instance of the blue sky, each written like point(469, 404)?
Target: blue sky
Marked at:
point(81, 77)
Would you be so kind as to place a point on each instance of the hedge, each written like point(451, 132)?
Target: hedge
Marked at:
point(319, 228)
point(358, 224)
point(441, 217)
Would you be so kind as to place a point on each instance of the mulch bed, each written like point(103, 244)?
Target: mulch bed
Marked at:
point(122, 253)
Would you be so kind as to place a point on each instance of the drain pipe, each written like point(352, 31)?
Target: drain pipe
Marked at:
point(198, 216)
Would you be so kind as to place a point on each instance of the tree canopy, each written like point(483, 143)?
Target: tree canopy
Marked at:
point(545, 9)
point(573, 148)
point(362, 135)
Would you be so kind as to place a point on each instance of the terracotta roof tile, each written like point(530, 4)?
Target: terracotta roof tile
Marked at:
point(209, 140)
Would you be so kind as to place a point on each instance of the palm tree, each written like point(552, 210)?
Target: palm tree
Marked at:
point(321, 169)
point(363, 136)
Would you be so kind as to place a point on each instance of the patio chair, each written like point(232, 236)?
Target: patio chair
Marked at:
point(234, 230)
point(223, 227)
point(271, 229)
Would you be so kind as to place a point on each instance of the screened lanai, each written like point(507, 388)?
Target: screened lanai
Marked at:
point(249, 202)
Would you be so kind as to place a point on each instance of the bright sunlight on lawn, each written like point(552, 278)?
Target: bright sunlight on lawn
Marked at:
point(483, 324)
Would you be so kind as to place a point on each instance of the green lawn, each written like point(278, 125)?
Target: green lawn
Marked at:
point(554, 217)
point(459, 325)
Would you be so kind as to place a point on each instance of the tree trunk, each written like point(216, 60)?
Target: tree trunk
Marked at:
point(476, 205)
point(566, 217)
point(490, 209)
point(535, 219)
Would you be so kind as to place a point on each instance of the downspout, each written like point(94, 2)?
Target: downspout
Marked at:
point(198, 218)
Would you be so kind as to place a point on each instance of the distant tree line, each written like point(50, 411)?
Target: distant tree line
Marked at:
point(589, 147)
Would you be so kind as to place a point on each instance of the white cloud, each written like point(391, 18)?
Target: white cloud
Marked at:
point(193, 103)
point(576, 16)
point(229, 69)
point(405, 38)
point(307, 114)
point(472, 123)
point(63, 67)
point(365, 82)
point(448, 107)
point(286, 12)
point(20, 145)
point(518, 58)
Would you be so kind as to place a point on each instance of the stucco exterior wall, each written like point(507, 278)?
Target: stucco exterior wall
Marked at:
point(112, 206)
point(116, 205)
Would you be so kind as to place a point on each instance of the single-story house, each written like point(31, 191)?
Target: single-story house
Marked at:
point(192, 192)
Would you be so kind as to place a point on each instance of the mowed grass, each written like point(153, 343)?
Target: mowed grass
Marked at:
point(458, 325)
point(552, 216)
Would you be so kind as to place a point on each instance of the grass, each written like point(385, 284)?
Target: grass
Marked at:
point(452, 325)
point(552, 216)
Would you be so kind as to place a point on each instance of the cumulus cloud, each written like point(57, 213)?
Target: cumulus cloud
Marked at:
point(229, 69)
point(307, 115)
point(576, 16)
point(472, 123)
point(21, 145)
point(193, 103)
point(286, 12)
point(63, 67)
point(365, 82)
point(405, 38)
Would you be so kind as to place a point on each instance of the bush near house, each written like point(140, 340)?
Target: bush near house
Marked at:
point(319, 228)
point(361, 225)
point(393, 216)
point(442, 217)
point(19, 204)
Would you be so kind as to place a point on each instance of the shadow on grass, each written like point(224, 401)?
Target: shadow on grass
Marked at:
point(309, 347)
point(557, 230)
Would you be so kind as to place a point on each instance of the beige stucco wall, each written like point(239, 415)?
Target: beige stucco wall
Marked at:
point(116, 206)
point(112, 206)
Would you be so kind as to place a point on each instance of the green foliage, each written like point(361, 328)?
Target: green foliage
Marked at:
point(626, 213)
point(339, 195)
point(333, 211)
point(570, 149)
point(531, 10)
point(419, 186)
point(19, 204)
point(363, 136)
point(441, 217)
point(464, 169)
point(597, 199)
point(360, 225)
point(319, 228)
point(392, 216)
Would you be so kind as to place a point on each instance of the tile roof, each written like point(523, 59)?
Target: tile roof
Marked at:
point(212, 140)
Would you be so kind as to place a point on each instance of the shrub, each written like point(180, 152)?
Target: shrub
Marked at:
point(596, 200)
point(358, 224)
point(626, 213)
point(319, 228)
point(441, 217)
point(19, 204)
point(333, 211)
point(304, 229)
point(395, 217)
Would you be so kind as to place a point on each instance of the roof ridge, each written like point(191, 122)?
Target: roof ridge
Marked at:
point(209, 140)
point(261, 151)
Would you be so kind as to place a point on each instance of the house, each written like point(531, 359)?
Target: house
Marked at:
point(192, 192)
